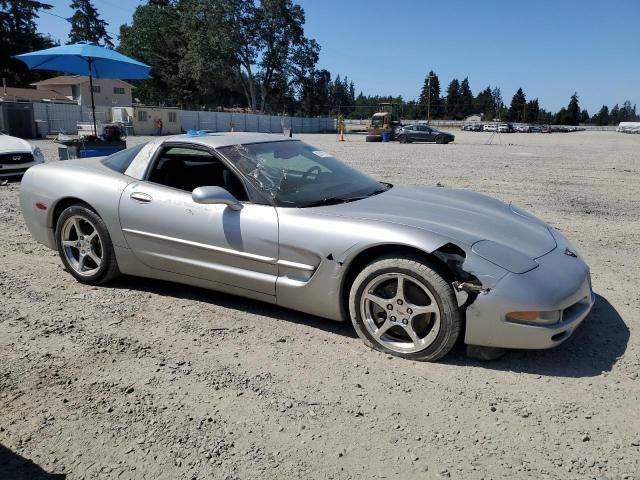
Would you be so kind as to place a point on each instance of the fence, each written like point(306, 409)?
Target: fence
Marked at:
point(247, 122)
point(52, 118)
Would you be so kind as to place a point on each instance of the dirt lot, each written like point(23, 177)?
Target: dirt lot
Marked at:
point(144, 379)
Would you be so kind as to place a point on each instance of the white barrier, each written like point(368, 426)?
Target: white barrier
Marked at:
point(64, 118)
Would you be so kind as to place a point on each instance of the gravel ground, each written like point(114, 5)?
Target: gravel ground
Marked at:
point(152, 380)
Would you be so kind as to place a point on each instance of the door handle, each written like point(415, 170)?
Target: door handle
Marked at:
point(141, 197)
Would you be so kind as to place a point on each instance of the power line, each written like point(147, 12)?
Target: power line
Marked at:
point(113, 35)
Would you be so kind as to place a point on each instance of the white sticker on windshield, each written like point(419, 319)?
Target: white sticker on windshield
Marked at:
point(322, 154)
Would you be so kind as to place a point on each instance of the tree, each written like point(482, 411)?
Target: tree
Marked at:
point(518, 103)
point(429, 100)
point(452, 100)
point(484, 104)
point(614, 115)
point(270, 40)
point(584, 116)
point(499, 104)
point(315, 93)
point(18, 34)
point(573, 111)
point(86, 25)
point(465, 101)
point(602, 117)
point(531, 111)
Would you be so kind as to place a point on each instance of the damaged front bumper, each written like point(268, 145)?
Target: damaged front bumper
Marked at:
point(561, 283)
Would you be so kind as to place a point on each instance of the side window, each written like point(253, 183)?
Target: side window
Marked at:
point(187, 168)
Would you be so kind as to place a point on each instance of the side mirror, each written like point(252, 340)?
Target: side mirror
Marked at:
point(215, 195)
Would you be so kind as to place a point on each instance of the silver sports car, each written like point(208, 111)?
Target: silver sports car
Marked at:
point(277, 220)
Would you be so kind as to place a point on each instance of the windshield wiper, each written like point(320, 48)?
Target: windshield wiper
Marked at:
point(336, 200)
point(325, 201)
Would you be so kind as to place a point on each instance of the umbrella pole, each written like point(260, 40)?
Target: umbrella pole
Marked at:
point(93, 105)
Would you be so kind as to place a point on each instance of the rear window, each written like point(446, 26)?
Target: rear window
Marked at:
point(121, 160)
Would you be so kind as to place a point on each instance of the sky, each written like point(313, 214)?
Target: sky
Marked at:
point(550, 48)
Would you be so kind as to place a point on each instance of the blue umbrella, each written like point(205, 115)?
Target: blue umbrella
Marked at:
point(84, 58)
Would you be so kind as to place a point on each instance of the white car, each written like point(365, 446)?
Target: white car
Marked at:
point(489, 127)
point(17, 155)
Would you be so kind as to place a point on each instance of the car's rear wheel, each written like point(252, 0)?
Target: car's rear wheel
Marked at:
point(403, 306)
point(84, 245)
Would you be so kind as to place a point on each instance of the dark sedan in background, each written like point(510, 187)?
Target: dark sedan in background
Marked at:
point(421, 132)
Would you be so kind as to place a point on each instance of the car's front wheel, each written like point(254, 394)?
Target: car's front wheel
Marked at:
point(84, 245)
point(403, 139)
point(403, 306)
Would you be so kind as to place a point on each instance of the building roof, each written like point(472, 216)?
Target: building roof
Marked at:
point(74, 80)
point(12, 94)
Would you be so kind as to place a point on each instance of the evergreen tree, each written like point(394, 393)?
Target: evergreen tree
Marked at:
point(614, 115)
point(452, 100)
point(584, 116)
point(430, 99)
point(602, 117)
point(531, 111)
point(518, 103)
point(465, 101)
point(484, 104)
point(573, 111)
point(86, 25)
point(18, 34)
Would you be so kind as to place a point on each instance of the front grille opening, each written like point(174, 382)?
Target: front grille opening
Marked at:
point(575, 310)
point(15, 158)
point(559, 336)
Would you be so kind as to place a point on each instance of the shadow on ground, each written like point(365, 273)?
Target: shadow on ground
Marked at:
point(594, 348)
point(16, 467)
point(255, 307)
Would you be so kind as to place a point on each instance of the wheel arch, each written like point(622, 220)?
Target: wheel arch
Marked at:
point(435, 258)
point(64, 203)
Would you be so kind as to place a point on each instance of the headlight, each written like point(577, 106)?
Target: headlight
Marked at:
point(503, 256)
point(37, 154)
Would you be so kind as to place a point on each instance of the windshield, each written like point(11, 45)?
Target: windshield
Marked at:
point(294, 174)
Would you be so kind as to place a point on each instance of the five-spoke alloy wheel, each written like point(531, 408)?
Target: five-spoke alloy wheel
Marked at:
point(403, 306)
point(85, 246)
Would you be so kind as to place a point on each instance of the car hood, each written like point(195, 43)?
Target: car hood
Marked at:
point(461, 215)
point(10, 144)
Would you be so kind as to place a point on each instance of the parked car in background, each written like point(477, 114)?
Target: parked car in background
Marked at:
point(535, 129)
point(17, 155)
point(421, 132)
point(545, 129)
point(489, 127)
point(472, 127)
point(504, 128)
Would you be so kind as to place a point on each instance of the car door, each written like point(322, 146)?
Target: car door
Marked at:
point(429, 134)
point(415, 134)
point(167, 230)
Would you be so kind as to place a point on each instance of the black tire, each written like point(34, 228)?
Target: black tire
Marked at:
point(108, 267)
point(440, 139)
point(415, 269)
point(373, 138)
point(403, 139)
